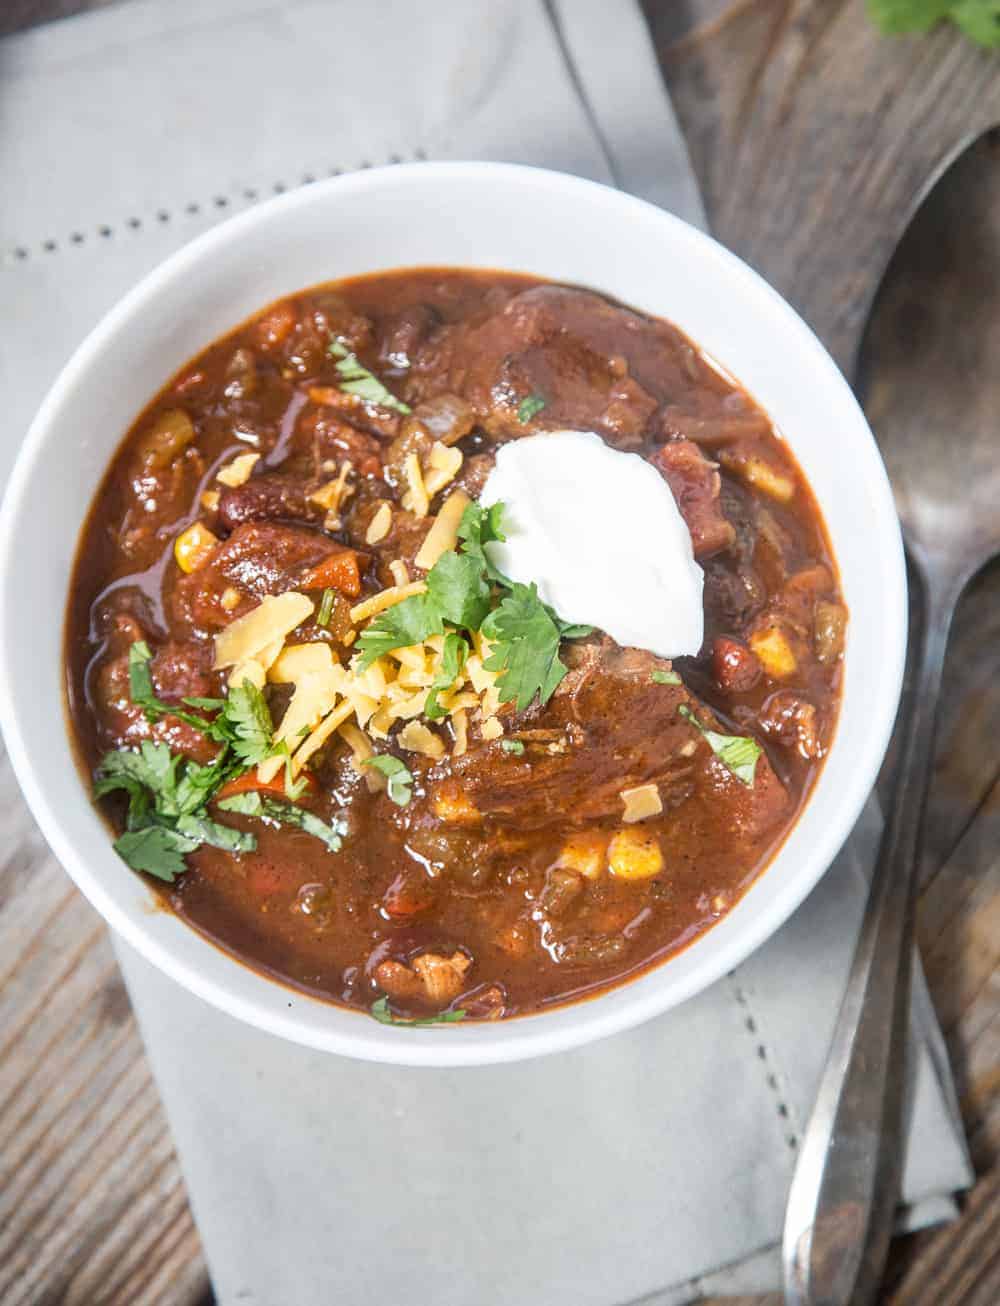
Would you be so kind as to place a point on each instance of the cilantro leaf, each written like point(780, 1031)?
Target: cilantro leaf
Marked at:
point(279, 813)
point(385, 1016)
point(355, 379)
point(155, 849)
point(396, 772)
point(204, 830)
point(409, 622)
point(152, 770)
point(514, 746)
point(245, 723)
point(978, 19)
point(529, 407)
point(453, 656)
point(664, 677)
point(246, 804)
point(141, 690)
point(457, 587)
point(526, 647)
point(738, 752)
point(481, 526)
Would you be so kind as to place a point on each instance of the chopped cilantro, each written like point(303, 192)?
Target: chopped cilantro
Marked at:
point(529, 407)
point(514, 746)
point(664, 677)
point(525, 647)
point(399, 777)
point(143, 694)
point(245, 724)
point(385, 1016)
point(203, 830)
point(479, 527)
point(325, 608)
point(738, 752)
point(453, 656)
point(355, 379)
point(155, 849)
point(279, 813)
point(459, 590)
point(409, 622)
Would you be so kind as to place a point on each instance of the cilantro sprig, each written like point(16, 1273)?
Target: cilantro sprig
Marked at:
point(169, 795)
point(737, 752)
point(397, 774)
point(355, 379)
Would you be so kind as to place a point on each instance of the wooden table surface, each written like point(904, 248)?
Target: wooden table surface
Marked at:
point(812, 135)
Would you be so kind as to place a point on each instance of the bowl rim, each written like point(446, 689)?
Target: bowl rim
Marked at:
point(530, 1035)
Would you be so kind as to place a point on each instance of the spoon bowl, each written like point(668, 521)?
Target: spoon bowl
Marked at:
point(929, 379)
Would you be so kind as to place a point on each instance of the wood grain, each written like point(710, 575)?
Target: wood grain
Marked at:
point(812, 137)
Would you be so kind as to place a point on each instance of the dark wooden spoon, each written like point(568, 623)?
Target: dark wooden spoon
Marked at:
point(930, 379)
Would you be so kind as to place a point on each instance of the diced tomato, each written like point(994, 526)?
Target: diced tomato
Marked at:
point(248, 782)
point(340, 571)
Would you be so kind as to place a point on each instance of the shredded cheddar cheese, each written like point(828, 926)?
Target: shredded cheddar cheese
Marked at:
point(238, 471)
point(443, 534)
point(379, 526)
point(272, 620)
point(416, 499)
point(385, 599)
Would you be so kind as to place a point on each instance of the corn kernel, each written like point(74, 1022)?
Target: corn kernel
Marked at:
point(193, 547)
point(229, 599)
point(774, 652)
point(210, 500)
point(634, 854)
point(584, 853)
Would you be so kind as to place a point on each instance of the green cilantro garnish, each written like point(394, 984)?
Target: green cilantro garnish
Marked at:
point(459, 590)
point(978, 19)
point(167, 797)
point(278, 813)
point(325, 608)
point(525, 647)
point(530, 407)
point(245, 724)
point(462, 593)
point(453, 656)
point(400, 786)
point(514, 746)
point(155, 849)
point(409, 622)
point(738, 752)
point(385, 1016)
point(478, 527)
point(665, 677)
point(355, 379)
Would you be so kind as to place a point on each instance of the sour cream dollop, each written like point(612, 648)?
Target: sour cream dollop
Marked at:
point(601, 535)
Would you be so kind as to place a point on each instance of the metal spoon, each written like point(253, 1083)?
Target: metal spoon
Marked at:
point(932, 392)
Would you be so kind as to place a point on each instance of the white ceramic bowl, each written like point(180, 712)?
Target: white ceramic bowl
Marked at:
point(473, 214)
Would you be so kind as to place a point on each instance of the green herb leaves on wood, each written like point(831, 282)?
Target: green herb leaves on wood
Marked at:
point(978, 19)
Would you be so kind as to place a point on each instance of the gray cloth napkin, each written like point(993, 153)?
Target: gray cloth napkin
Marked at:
point(653, 1165)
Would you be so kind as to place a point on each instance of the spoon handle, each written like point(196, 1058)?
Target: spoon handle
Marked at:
point(843, 1195)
